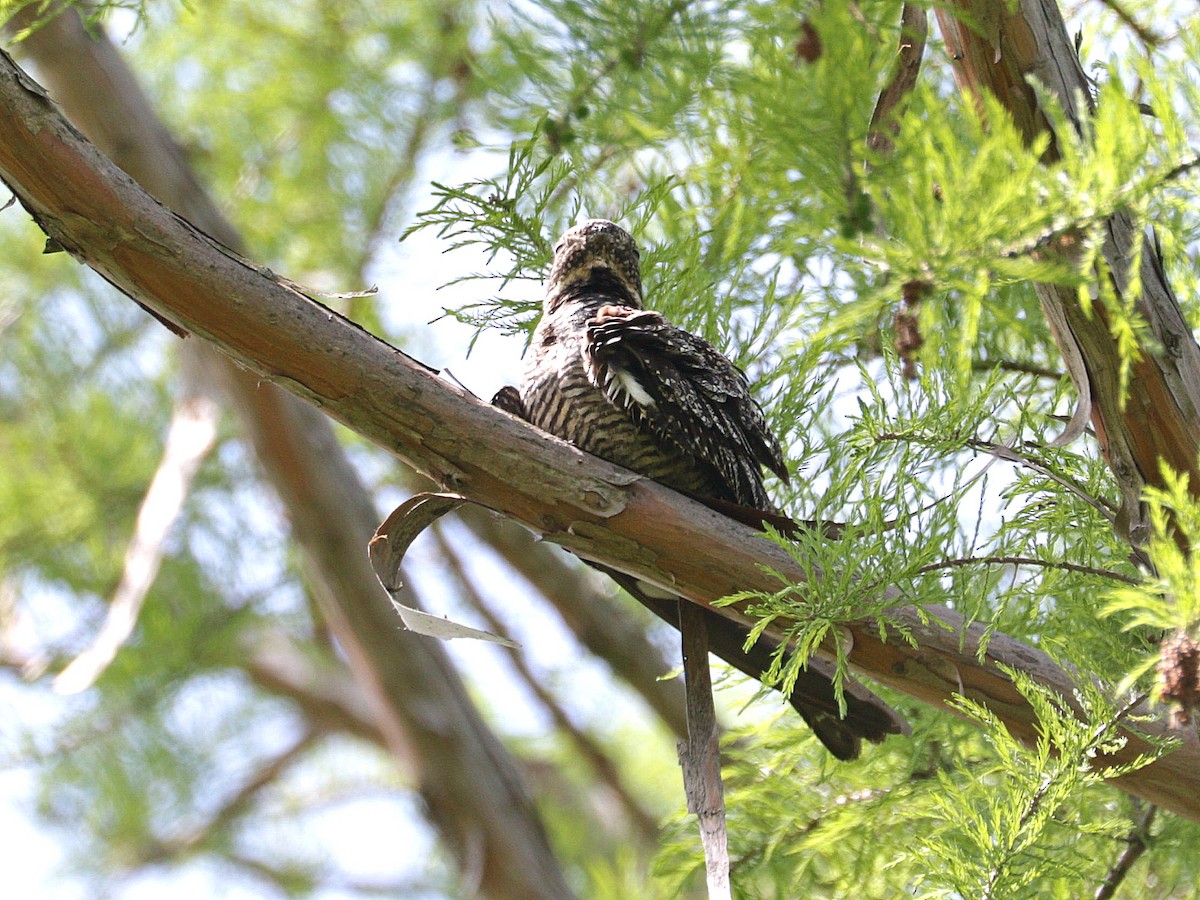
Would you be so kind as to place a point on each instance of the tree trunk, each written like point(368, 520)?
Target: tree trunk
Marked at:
point(1159, 420)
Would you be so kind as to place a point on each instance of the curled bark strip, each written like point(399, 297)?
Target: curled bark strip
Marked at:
point(387, 548)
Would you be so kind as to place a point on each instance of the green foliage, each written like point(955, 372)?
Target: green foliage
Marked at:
point(768, 226)
point(309, 122)
point(1168, 603)
point(70, 475)
point(967, 810)
point(35, 13)
point(1014, 827)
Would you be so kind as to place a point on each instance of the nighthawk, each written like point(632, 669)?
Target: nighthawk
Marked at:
point(622, 383)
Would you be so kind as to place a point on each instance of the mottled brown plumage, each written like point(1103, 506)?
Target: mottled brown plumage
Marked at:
point(623, 384)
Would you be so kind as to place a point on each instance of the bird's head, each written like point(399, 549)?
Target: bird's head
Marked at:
point(596, 259)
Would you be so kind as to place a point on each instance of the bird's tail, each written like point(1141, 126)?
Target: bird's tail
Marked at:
point(813, 697)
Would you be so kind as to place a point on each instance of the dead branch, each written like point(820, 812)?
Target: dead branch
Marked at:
point(190, 437)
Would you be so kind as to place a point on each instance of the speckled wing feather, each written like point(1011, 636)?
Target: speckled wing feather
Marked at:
point(678, 387)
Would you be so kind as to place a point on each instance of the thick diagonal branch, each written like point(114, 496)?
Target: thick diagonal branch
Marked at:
point(470, 784)
point(596, 510)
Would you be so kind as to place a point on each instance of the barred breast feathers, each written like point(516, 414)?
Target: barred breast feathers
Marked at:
point(694, 423)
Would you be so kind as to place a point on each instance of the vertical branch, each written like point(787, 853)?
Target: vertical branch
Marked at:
point(700, 754)
point(598, 620)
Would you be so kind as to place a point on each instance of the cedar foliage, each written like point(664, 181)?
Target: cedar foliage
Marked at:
point(768, 226)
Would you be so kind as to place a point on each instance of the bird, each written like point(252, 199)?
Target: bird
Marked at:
point(619, 381)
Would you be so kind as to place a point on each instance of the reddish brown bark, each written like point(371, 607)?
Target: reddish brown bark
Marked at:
point(1158, 420)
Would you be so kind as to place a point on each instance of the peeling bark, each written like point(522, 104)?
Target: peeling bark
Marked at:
point(1158, 422)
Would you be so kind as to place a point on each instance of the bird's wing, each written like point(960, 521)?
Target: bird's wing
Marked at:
point(679, 388)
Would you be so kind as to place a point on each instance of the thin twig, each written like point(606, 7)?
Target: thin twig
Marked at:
point(1137, 842)
point(1147, 36)
point(1100, 734)
point(448, 63)
point(1070, 231)
point(1003, 451)
point(400, 178)
point(633, 56)
point(1026, 561)
point(1019, 368)
point(237, 805)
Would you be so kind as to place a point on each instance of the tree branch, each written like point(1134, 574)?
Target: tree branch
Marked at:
point(700, 754)
point(470, 785)
point(1137, 842)
point(598, 511)
point(1018, 561)
point(236, 806)
point(190, 437)
point(322, 688)
point(914, 29)
point(1146, 35)
point(1155, 418)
